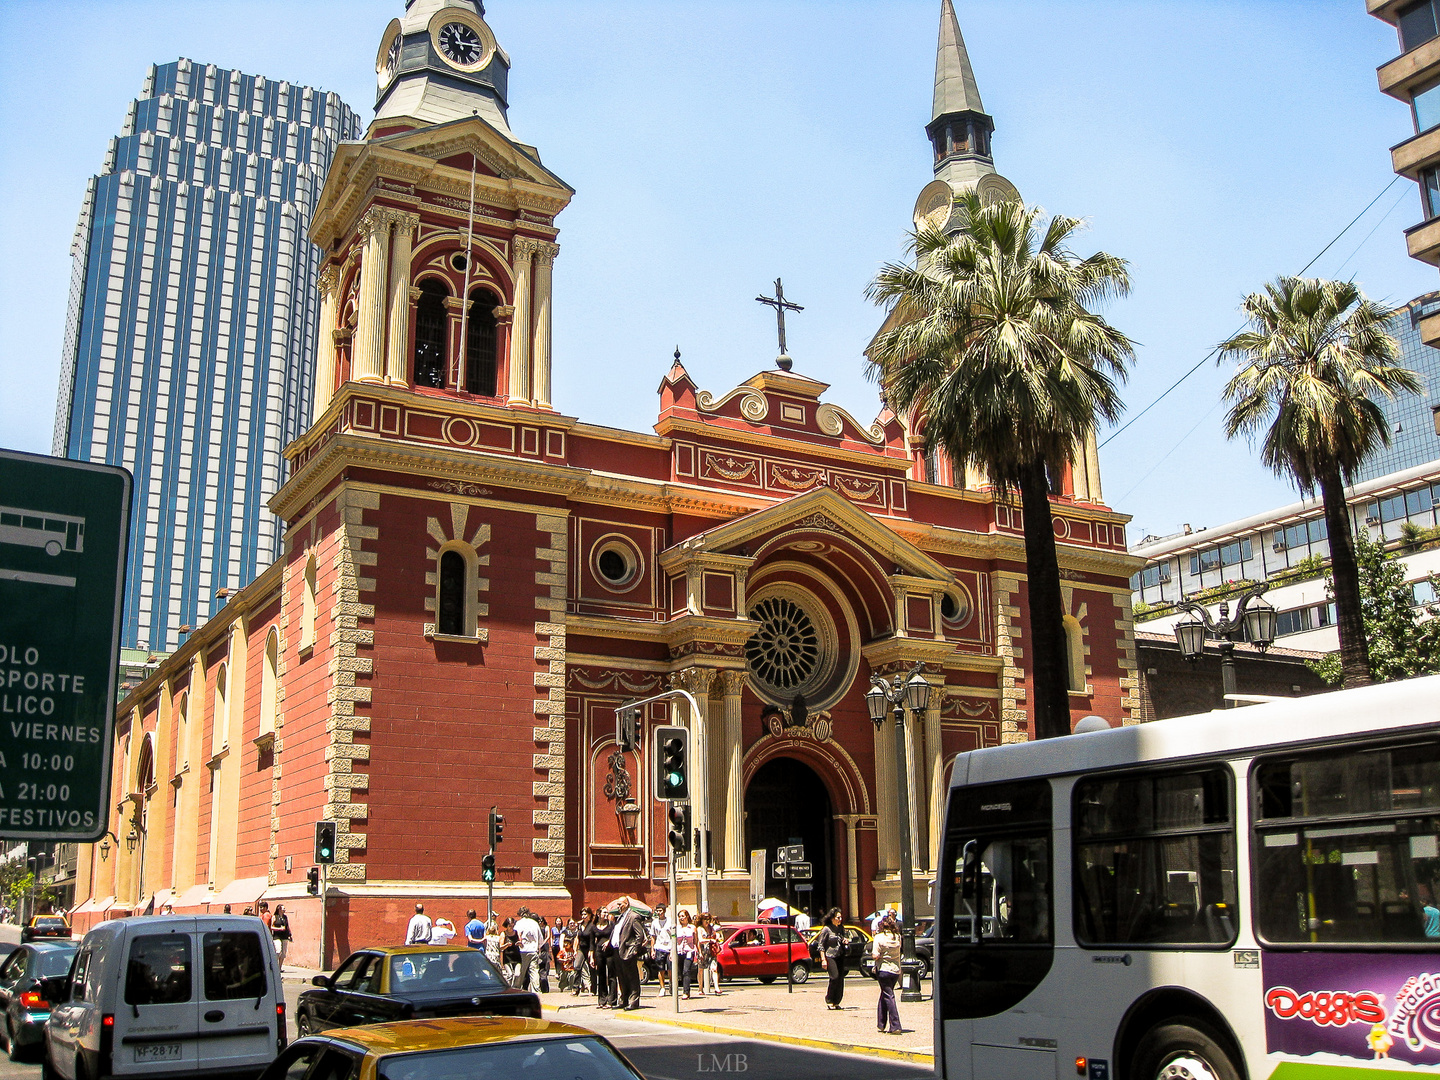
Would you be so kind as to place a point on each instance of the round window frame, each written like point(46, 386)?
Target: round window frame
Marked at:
point(961, 595)
point(831, 679)
point(629, 551)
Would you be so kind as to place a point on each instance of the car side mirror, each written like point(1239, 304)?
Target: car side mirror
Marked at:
point(320, 980)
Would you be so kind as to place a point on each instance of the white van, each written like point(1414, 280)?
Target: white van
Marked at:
point(169, 996)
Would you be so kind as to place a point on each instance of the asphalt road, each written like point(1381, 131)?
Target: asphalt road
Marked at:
point(665, 1053)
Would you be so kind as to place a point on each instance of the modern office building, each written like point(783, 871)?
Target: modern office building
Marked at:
point(1288, 548)
point(1414, 78)
point(190, 339)
point(1410, 418)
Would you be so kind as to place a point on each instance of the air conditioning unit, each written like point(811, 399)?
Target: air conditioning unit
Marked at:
point(1163, 573)
point(1278, 546)
point(1371, 519)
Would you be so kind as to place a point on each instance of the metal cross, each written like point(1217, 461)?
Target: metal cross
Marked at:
point(781, 305)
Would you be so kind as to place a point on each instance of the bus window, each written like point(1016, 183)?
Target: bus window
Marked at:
point(1346, 848)
point(1155, 859)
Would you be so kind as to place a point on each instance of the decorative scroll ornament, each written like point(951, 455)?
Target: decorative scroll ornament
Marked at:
point(831, 420)
point(857, 489)
point(617, 781)
point(635, 684)
point(457, 488)
point(788, 476)
point(730, 468)
point(797, 721)
point(753, 406)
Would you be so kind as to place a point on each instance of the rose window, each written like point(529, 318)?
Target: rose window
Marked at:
point(784, 652)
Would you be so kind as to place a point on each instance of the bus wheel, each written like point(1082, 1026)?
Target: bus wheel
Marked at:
point(1182, 1052)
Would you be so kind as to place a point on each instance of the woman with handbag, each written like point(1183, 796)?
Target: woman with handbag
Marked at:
point(831, 944)
point(885, 950)
point(707, 947)
point(280, 931)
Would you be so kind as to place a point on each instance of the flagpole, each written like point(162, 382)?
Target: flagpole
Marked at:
point(465, 298)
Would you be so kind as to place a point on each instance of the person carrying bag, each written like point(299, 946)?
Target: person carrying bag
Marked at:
point(830, 943)
point(885, 950)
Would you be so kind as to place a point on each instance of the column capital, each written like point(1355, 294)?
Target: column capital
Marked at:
point(415, 293)
point(732, 682)
point(697, 680)
point(454, 305)
point(374, 222)
point(545, 253)
point(504, 314)
point(327, 280)
point(525, 247)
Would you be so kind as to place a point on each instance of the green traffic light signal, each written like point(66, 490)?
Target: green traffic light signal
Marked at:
point(672, 751)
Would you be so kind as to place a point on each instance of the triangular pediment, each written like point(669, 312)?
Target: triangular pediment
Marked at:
point(822, 508)
point(457, 140)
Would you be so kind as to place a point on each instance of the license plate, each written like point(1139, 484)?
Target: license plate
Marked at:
point(158, 1052)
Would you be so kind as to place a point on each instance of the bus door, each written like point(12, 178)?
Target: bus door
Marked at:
point(995, 933)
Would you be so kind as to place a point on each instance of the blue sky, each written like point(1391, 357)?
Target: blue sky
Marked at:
point(717, 146)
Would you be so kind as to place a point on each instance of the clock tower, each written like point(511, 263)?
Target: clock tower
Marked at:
point(440, 63)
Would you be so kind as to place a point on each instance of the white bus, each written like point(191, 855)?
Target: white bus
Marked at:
point(1244, 894)
point(34, 528)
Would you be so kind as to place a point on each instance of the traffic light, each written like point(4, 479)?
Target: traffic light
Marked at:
point(679, 815)
point(487, 868)
point(627, 729)
point(312, 879)
point(325, 842)
point(672, 761)
point(497, 828)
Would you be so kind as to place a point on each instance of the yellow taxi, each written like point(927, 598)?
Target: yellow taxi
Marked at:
point(460, 1048)
point(45, 926)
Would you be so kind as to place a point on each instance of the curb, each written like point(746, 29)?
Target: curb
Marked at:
point(792, 1040)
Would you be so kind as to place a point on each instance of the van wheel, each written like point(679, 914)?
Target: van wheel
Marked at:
point(799, 972)
point(766, 980)
point(1188, 1051)
point(302, 1024)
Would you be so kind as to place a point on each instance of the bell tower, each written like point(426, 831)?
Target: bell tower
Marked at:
point(439, 228)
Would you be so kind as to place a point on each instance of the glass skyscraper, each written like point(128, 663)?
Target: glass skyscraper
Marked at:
point(190, 337)
point(1411, 424)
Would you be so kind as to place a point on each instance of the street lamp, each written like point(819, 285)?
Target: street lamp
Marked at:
point(1255, 621)
point(911, 690)
point(132, 838)
point(104, 849)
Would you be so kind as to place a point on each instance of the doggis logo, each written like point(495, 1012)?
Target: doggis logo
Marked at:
point(1334, 1008)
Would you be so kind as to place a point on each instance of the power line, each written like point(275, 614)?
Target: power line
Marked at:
point(1213, 352)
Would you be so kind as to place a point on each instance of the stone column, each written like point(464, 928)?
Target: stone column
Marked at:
point(852, 863)
point(732, 685)
point(397, 341)
point(324, 387)
point(544, 276)
point(454, 344)
point(935, 771)
point(504, 331)
point(520, 334)
point(916, 786)
point(887, 833)
point(366, 359)
point(1092, 467)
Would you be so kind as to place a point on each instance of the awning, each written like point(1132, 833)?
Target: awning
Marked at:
point(159, 899)
point(88, 905)
point(240, 892)
point(104, 904)
point(195, 896)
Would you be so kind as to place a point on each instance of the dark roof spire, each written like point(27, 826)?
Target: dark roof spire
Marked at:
point(955, 88)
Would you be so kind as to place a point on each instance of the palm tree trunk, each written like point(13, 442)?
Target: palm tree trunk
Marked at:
point(1349, 617)
point(1049, 674)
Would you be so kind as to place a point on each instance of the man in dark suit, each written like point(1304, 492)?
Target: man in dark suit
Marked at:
point(630, 946)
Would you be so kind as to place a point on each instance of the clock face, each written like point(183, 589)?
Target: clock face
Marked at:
point(460, 44)
point(392, 58)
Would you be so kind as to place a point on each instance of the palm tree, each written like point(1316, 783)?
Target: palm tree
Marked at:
point(1316, 354)
point(993, 346)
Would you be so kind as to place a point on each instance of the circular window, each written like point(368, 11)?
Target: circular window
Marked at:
point(956, 608)
point(458, 261)
point(784, 654)
point(616, 563)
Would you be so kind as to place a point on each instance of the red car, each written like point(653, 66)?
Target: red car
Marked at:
point(764, 951)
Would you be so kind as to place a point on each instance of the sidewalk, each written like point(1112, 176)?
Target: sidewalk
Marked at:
point(768, 1012)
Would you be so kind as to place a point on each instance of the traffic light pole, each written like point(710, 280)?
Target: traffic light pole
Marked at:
point(490, 897)
point(324, 904)
point(675, 936)
point(703, 788)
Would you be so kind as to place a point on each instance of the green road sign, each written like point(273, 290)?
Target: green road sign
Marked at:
point(64, 531)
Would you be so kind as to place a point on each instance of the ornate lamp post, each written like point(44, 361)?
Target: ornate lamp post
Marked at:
point(911, 690)
point(1254, 621)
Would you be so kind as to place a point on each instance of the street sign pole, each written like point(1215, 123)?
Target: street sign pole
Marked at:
point(64, 536)
point(674, 952)
point(490, 896)
point(789, 956)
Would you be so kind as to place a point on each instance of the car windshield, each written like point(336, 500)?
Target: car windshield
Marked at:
point(551, 1059)
point(50, 924)
point(52, 962)
point(459, 970)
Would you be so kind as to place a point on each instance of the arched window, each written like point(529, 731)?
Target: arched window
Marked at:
point(220, 718)
point(145, 773)
point(182, 733)
point(309, 603)
point(481, 362)
point(451, 616)
point(270, 682)
point(430, 320)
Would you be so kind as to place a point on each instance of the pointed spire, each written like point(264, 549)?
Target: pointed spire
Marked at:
point(955, 88)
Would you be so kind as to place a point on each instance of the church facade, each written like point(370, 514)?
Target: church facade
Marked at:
point(473, 583)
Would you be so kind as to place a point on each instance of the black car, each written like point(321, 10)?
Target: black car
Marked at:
point(45, 926)
point(409, 982)
point(24, 1002)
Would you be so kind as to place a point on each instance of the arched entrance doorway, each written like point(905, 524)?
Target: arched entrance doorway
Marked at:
point(787, 803)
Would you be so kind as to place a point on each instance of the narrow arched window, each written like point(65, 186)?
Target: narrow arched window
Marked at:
point(309, 604)
point(220, 714)
point(270, 682)
point(430, 319)
point(451, 616)
point(480, 357)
